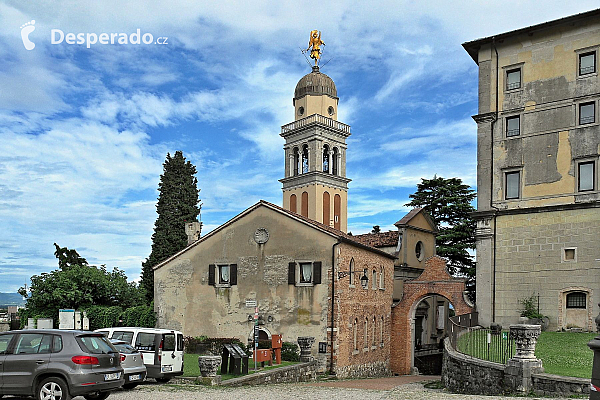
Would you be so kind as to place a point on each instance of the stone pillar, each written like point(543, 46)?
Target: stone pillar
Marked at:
point(594, 345)
point(484, 239)
point(305, 343)
point(519, 369)
point(209, 365)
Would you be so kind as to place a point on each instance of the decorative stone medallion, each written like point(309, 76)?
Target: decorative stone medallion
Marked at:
point(261, 236)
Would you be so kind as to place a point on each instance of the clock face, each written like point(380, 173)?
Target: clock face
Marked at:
point(261, 236)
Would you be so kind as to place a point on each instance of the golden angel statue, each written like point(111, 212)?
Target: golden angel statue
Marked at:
point(314, 45)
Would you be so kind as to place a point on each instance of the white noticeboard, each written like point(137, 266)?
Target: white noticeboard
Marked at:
point(66, 319)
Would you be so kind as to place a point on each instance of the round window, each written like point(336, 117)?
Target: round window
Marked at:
point(419, 251)
point(330, 110)
point(300, 110)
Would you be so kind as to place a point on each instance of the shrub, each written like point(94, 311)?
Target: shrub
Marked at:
point(209, 346)
point(290, 351)
point(529, 308)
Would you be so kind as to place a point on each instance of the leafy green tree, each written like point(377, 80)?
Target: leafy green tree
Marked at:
point(76, 285)
point(448, 202)
point(177, 204)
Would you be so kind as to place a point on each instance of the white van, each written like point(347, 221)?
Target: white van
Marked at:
point(162, 349)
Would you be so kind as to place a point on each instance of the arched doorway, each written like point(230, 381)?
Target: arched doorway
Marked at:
point(430, 321)
point(434, 280)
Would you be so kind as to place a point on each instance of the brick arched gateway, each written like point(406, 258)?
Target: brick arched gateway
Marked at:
point(435, 279)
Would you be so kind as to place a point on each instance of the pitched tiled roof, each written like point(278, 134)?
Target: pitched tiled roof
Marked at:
point(317, 225)
point(381, 239)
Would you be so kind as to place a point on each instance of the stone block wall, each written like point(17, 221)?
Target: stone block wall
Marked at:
point(304, 372)
point(463, 374)
point(552, 385)
point(530, 261)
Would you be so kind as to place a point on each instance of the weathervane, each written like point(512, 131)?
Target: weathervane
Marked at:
point(314, 45)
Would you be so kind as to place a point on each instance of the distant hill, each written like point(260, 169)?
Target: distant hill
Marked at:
point(11, 299)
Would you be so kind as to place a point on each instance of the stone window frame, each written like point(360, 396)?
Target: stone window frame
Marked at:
point(582, 52)
point(585, 102)
point(578, 163)
point(366, 337)
point(381, 323)
point(374, 278)
point(355, 336)
point(506, 132)
point(512, 68)
point(420, 255)
point(576, 307)
point(563, 253)
point(374, 334)
point(220, 282)
point(381, 278)
point(562, 309)
point(507, 172)
point(299, 281)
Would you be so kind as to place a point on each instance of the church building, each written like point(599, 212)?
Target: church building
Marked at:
point(306, 275)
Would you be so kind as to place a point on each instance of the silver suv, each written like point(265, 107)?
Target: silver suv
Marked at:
point(53, 364)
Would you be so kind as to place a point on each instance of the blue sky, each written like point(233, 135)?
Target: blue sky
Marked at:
point(84, 131)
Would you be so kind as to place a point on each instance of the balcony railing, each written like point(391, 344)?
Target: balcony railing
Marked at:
point(316, 118)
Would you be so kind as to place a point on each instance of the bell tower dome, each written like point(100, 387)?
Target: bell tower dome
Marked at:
point(315, 183)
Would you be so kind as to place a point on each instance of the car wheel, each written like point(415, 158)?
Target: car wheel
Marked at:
point(163, 380)
point(53, 388)
point(96, 396)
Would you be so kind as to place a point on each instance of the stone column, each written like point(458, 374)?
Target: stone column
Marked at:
point(305, 343)
point(209, 365)
point(594, 345)
point(519, 369)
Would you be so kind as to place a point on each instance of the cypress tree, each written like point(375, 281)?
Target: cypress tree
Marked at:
point(177, 204)
point(448, 202)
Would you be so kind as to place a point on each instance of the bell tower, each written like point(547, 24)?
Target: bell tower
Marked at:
point(315, 183)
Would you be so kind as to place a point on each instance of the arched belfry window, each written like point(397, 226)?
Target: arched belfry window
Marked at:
point(335, 161)
point(296, 161)
point(326, 158)
point(304, 159)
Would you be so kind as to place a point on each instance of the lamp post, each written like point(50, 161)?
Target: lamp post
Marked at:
point(364, 280)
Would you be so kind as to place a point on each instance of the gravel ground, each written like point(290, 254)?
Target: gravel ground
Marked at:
point(412, 391)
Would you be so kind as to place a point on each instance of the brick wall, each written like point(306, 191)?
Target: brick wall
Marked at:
point(435, 279)
point(354, 305)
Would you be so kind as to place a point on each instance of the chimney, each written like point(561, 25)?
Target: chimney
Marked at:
point(192, 230)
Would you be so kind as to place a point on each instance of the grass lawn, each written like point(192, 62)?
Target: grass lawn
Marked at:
point(562, 353)
point(190, 366)
point(566, 353)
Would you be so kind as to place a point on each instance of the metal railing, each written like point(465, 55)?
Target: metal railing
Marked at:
point(477, 342)
point(316, 118)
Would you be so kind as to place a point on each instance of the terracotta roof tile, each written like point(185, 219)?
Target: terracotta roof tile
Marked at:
point(381, 239)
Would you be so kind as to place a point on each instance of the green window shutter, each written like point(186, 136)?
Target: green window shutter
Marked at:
point(316, 272)
point(292, 273)
point(233, 274)
point(211, 274)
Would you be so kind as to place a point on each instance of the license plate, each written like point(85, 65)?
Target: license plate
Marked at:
point(134, 377)
point(112, 377)
point(167, 368)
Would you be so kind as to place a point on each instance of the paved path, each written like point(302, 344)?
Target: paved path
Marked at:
point(362, 389)
point(377, 383)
